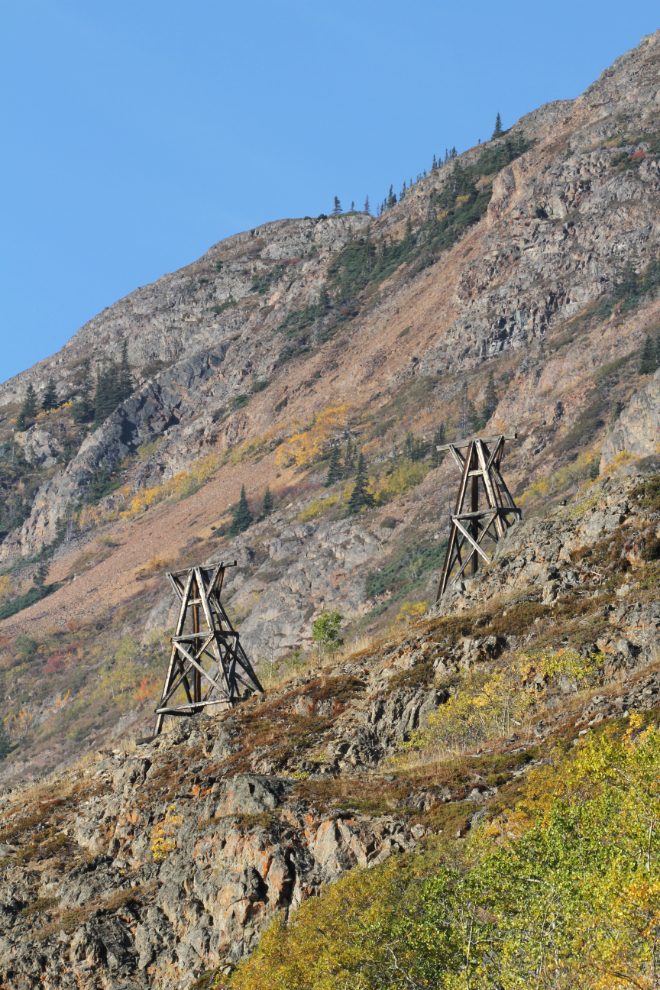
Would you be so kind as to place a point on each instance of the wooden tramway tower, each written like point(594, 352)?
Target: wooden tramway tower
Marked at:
point(207, 659)
point(472, 525)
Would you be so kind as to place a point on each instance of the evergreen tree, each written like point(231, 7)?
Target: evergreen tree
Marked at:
point(434, 166)
point(100, 398)
point(334, 468)
point(41, 573)
point(29, 407)
point(360, 497)
point(439, 438)
point(323, 305)
point(409, 446)
point(366, 207)
point(349, 459)
point(268, 504)
point(242, 517)
point(352, 206)
point(414, 448)
point(83, 410)
point(110, 390)
point(336, 210)
point(657, 350)
point(5, 745)
point(648, 362)
point(490, 403)
point(498, 126)
point(49, 400)
point(464, 422)
point(391, 199)
point(125, 383)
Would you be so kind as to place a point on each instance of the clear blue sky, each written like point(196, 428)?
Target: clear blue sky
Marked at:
point(139, 132)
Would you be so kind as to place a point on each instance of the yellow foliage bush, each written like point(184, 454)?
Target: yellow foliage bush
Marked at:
point(407, 613)
point(577, 470)
point(5, 586)
point(183, 483)
point(492, 705)
point(408, 475)
point(163, 836)
point(561, 893)
point(145, 450)
point(319, 506)
point(311, 444)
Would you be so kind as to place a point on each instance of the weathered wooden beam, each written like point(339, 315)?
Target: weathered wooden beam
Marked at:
point(459, 444)
point(474, 543)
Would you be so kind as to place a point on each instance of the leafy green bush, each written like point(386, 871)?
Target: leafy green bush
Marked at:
point(25, 646)
point(325, 630)
point(561, 893)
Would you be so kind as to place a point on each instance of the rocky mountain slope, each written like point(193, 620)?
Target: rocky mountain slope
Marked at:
point(531, 259)
point(514, 287)
point(153, 865)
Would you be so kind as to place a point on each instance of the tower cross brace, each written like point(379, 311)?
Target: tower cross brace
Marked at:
point(480, 467)
point(207, 660)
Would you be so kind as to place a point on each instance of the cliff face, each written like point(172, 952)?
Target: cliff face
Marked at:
point(514, 286)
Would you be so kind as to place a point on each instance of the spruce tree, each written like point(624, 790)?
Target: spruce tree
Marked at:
point(29, 407)
point(360, 496)
point(113, 388)
point(323, 305)
point(366, 207)
point(334, 468)
point(336, 210)
point(352, 206)
point(83, 409)
point(434, 166)
point(490, 404)
point(439, 438)
point(268, 503)
point(49, 400)
point(498, 126)
point(41, 574)
point(126, 384)
point(5, 745)
point(647, 364)
point(349, 459)
point(242, 517)
point(100, 398)
point(464, 422)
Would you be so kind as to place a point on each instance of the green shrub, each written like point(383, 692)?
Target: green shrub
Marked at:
point(25, 646)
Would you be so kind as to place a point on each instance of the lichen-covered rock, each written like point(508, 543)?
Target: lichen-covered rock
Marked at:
point(637, 431)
